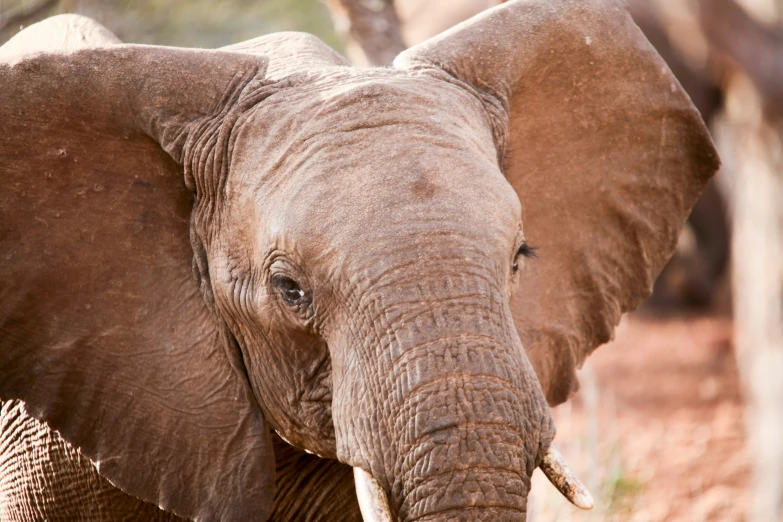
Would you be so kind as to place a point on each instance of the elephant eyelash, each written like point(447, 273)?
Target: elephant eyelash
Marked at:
point(524, 250)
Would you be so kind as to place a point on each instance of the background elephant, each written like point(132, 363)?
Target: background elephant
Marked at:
point(357, 240)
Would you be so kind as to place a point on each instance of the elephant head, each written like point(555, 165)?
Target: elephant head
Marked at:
point(349, 260)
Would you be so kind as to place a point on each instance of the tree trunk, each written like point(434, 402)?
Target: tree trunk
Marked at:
point(372, 28)
point(753, 153)
point(757, 250)
point(10, 22)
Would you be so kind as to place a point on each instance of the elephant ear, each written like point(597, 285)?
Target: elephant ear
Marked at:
point(104, 332)
point(604, 149)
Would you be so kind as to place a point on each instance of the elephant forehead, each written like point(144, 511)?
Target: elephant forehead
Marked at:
point(365, 151)
point(359, 120)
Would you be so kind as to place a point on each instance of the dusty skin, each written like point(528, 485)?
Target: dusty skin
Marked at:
point(199, 247)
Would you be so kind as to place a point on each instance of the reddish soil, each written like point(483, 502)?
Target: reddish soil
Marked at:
point(657, 430)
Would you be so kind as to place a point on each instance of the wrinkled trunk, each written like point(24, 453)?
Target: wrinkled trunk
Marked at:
point(444, 411)
point(461, 455)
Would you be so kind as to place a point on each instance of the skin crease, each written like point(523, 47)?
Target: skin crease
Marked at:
point(64, 486)
point(295, 245)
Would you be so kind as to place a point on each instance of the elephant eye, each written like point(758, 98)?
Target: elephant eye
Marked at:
point(524, 250)
point(289, 289)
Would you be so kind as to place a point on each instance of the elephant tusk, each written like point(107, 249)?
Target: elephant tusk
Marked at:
point(561, 476)
point(372, 499)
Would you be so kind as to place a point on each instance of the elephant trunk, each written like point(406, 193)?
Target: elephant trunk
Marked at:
point(436, 402)
point(441, 407)
point(374, 503)
point(465, 451)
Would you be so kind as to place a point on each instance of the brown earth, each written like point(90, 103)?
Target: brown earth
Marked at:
point(656, 431)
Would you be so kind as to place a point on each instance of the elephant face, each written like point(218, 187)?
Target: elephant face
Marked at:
point(380, 282)
point(357, 238)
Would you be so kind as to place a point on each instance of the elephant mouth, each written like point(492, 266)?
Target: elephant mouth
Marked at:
point(374, 504)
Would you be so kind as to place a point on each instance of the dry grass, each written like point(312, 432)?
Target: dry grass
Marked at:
point(656, 431)
point(590, 443)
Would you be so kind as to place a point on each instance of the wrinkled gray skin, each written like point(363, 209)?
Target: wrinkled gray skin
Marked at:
point(42, 477)
point(358, 241)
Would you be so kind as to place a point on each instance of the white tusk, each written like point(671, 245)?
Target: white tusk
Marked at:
point(372, 499)
point(561, 476)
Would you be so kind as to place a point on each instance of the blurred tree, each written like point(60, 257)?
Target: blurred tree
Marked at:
point(372, 29)
point(751, 36)
point(23, 14)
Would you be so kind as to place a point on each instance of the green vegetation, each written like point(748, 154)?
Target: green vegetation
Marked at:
point(620, 492)
point(193, 23)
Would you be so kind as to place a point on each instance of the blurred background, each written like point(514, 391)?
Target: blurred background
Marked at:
point(191, 23)
point(680, 418)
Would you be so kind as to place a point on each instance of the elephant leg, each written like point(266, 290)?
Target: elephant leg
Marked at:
point(42, 477)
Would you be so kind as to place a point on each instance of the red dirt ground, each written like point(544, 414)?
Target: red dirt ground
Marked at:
point(660, 413)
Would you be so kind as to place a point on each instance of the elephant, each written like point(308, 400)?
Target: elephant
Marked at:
point(239, 283)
